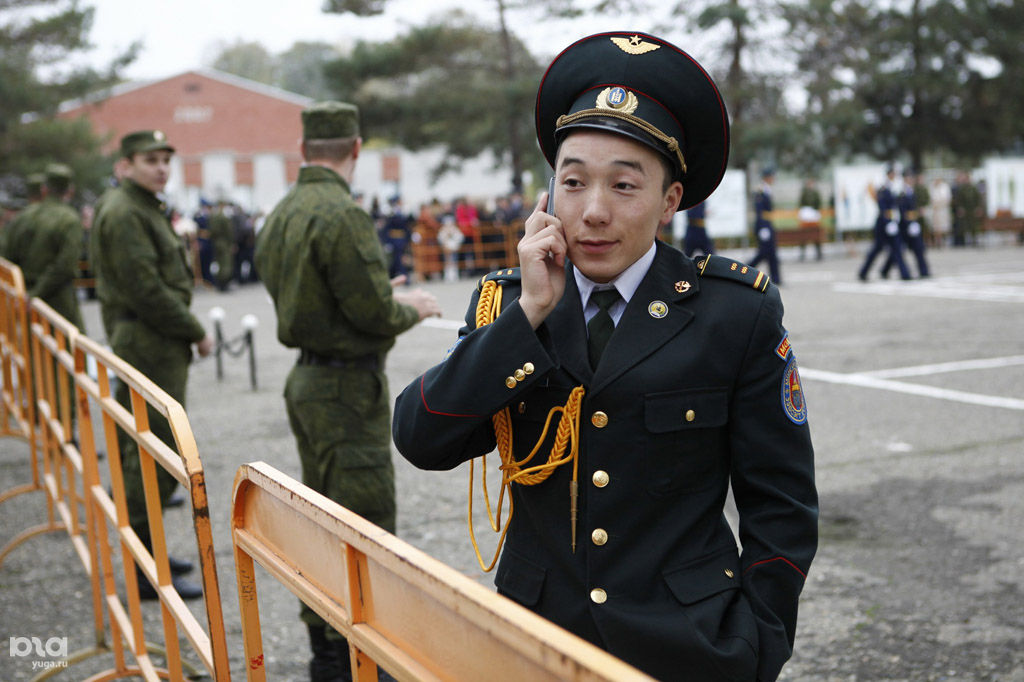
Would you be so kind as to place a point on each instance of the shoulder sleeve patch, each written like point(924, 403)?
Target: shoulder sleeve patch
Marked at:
point(727, 268)
point(502, 277)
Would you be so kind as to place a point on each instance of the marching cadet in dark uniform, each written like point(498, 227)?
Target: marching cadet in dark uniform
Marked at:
point(46, 246)
point(911, 232)
point(320, 258)
point(662, 377)
point(696, 238)
point(887, 229)
point(397, 232)
point(764, 228)
point(144, 285)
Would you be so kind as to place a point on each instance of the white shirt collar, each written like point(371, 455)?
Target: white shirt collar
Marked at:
point(626, 283)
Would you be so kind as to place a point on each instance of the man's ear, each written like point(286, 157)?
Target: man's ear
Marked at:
point(356, 148)
point(673, 195)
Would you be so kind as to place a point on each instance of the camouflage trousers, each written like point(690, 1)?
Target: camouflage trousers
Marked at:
point(165, 365)
point(342, 425)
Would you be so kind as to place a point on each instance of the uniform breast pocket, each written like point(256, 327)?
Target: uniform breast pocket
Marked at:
point(686, 432)
point(530, 414)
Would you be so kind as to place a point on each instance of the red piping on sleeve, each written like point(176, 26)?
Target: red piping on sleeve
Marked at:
point(423, 397)
point(778, 558)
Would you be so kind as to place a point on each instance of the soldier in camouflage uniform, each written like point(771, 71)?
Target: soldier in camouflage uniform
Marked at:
point(145, 288)
point(222, 233)
point(320, 259)
point(34, 187)
point(45, 245)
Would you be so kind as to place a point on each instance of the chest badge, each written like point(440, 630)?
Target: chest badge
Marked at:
point(682, 287)
point(657, 309)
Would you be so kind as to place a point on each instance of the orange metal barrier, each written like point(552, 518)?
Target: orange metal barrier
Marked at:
point(496, 248)
point(17, 408)
point(112, 515)
point(414, 616)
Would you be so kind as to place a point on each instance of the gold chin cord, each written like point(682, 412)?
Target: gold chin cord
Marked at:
point(567, 436)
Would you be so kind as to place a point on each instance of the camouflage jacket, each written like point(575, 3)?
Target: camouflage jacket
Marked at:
point(46, 245)
point(142, 271)
point(320, 259)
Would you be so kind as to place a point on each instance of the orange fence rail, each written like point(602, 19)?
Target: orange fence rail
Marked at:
point(111, 516)
point(494, 248)
point(399, 608)
point(17, 406)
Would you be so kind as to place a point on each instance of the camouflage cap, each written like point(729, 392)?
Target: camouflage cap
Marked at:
point(58, 177)
point(34, 182)
point(143, 141)
point(330, 120)
point(58, 171)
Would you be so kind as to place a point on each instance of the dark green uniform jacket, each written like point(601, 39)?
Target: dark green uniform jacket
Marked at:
point(322, 263)
point(142, 270)
point(697, 386)
point(46, 244)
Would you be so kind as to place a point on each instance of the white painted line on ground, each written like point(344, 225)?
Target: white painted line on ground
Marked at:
point(948, 289)
point(942, 367)
point(866, 381)
point(439, 323)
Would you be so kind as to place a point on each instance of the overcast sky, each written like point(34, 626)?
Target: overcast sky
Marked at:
point(183, 34)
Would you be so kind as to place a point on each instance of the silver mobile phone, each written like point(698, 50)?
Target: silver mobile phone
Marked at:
point(551, 197)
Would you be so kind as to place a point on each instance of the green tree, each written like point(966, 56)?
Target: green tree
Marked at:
point(247, 59)
point(922, 78)
point(754, 67)
point(301, 69)
point(502, 130)
point(38, 40)
point(436, 85)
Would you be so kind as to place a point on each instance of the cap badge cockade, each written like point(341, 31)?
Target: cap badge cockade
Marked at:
point(634, 45)
point(158, 135)
point(618, 99)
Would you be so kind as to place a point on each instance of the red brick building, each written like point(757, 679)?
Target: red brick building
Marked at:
point(235, 139)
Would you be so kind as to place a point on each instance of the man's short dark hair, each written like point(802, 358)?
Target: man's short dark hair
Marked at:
point(334, 150)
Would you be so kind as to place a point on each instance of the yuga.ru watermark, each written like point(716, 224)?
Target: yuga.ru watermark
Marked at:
point(52, 648)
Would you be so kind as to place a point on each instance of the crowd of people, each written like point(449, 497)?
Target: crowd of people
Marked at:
point(445, 228)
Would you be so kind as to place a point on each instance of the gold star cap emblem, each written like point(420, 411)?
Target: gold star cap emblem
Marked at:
point(634, 45)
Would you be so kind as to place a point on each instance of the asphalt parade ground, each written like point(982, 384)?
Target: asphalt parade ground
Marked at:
point(915, 393)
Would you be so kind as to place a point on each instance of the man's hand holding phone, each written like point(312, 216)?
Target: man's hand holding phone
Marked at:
point(542, 254)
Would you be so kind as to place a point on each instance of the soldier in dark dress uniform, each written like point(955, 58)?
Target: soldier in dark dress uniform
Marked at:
point(668, 377)
point(319, 256)
point(764, 228)
point(696, 238)
point(887, 230)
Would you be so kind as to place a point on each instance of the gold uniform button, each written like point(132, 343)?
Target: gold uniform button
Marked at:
point(599, 419)
point(519, 375)
point(601, 478)
point(522, 407)
point(729, 573)
point(598, 596)
point(511, 382)
point(528, 368)
point(690, 415)
point(599, 536)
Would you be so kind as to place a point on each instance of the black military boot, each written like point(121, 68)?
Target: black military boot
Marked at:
point(327, 664)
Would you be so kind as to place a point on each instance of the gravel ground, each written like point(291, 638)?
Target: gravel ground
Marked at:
point(920, 570)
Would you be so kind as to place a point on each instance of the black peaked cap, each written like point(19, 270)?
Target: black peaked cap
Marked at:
point(643, 87)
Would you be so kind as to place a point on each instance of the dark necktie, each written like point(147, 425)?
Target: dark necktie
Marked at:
point(601, 325)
